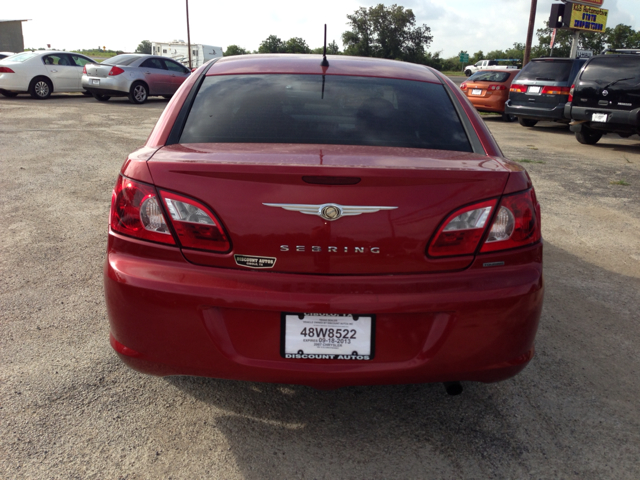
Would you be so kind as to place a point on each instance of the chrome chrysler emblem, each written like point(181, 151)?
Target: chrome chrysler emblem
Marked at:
point(328, 211)
point(605, 93)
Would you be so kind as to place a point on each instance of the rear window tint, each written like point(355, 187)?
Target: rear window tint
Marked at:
point(602, 70)
point(121, 60)
point(552, 71)
point(489, 77)
point(349, 111)
point(21, 57)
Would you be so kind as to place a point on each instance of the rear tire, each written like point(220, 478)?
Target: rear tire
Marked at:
point(138, 93)
point(100, 97)
point(527, 122)
point(86, 94)
point(8, 94)
point(508, 118)
point(588, 137)
point(40, 88)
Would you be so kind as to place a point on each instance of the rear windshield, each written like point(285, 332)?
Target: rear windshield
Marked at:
point(489, 77)
point(121, 60)
point(331, 109)
point(553, 71)
point(603, 70)
point(21, 57)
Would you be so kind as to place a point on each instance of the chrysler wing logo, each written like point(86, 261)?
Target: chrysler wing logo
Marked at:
point(329, 211)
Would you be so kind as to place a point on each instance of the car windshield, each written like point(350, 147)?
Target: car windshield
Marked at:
point(624, 69)
point(121, 60)
point(21, 57)
point(498, 77)
point(547, 70)
point(317, 109)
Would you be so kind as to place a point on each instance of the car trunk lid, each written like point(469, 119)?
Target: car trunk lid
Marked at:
point(257, 191)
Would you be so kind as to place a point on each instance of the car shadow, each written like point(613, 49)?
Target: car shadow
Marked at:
point(556, 411)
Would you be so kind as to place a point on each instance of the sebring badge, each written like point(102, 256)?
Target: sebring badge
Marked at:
point(328, 211)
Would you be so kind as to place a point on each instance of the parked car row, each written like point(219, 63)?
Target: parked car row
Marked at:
point(593, 96)
point(137, 76)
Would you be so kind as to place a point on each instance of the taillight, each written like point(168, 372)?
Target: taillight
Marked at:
point(6, 70)
point(496, 87)
point(556, 90)
point(84, 70)
point(462, 231)
point(196, 226)
point(136, 212)
point(463, 86)
point(518, 88)
point(115, 71)
point(516, 224)
point(573, 88)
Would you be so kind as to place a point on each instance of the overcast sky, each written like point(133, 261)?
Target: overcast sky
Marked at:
point(456, 25)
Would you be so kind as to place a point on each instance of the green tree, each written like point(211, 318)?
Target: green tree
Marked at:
point(272, 44)
point(144, 47)
point(234, 50)
point(333, 48)
point(296, 45)
point(386, 32)
point(622, 36)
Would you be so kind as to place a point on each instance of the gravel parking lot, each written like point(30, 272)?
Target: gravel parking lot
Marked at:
point(70, 409)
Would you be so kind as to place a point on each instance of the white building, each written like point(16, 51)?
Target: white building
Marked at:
point(179, 51)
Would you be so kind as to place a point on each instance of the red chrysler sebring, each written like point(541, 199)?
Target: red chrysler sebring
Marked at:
point(350, 224)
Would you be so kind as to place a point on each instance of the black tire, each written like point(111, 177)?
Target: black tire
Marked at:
point(86, 94)
point(8, 94)
point(100, 97)
point(138, 93)
point(527, 122)
point(468, 73)
point(40, 88)
point(168, 97)
point(508, 118)
point(588, 137)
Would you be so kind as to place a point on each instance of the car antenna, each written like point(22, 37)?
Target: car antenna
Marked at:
point(325, 62)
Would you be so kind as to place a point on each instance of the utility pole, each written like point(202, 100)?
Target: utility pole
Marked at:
point(532, 21)
point(188, 36)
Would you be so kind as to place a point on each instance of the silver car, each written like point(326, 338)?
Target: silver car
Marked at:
point(137, 76)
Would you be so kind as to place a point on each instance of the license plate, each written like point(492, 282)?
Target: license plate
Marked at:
point(321, 336)
point(476, 92)
point(534, 89)
point(95, 82)
point(599, 117)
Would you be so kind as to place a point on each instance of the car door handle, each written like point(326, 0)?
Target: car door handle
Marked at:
point(54, 71)
point(147, 73)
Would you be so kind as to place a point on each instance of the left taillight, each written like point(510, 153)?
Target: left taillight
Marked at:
point(136, 212)
point(516, 223)
point(573, 89)
point(6, 70)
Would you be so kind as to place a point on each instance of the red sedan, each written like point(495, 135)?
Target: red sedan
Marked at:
point(350, 224)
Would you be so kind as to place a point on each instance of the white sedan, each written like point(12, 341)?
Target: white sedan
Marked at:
point(42, 73)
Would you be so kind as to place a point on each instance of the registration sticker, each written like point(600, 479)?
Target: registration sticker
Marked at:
point(599, 117)
point(327, 336)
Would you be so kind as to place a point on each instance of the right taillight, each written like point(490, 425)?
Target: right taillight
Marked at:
point(573, 87)
point(115, 71)
point(84, 70)
point(516, 223)
point(518, 88)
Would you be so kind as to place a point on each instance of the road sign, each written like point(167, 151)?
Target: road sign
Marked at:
point(464, 58)
point(584, 53)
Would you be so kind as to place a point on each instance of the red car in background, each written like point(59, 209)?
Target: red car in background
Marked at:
point(488, 91)
point(350, 224)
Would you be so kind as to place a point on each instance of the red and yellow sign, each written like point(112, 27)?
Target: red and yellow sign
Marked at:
point(591, 3)
point(586, 18)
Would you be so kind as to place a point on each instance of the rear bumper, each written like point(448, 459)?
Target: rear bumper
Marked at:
point(618, 120)
point(169, 317)
point(114, 86)
point(555, 114)
point(489, 103)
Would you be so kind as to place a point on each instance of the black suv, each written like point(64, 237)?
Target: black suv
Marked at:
point(541, 89)
point(606, 97)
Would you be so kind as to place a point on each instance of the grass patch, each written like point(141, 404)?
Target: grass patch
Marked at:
point(526, 160)
point(619, 182)
point(453, 73)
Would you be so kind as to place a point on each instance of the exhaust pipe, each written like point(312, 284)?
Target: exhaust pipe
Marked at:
point(453, 388)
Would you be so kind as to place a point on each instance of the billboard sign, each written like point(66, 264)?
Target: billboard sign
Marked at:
point(589, 19)
point(590, 3)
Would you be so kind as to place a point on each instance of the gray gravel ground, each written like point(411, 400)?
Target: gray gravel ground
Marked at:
point(70, 409)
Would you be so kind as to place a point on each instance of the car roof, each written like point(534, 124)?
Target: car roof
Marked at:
point(311, 64)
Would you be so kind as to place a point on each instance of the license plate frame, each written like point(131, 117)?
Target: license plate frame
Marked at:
point(360, 328)
point(534, 89)
point(95, 82)
point(600, 117)
point(476, 91)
